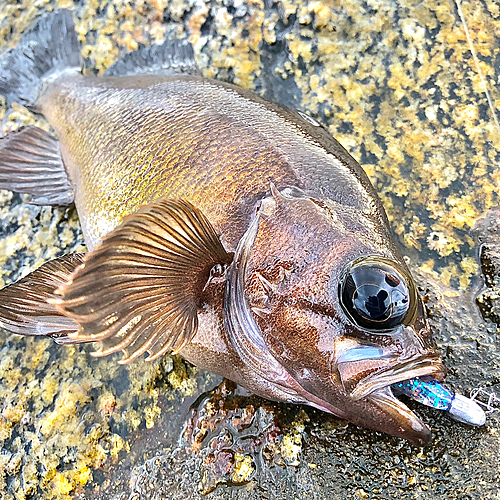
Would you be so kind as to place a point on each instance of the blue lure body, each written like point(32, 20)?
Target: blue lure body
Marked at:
point(432, 393)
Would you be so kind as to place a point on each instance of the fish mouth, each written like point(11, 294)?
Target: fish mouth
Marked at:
point(398, 371)
point(411, 426)
point(386, 414)
point(373, 393)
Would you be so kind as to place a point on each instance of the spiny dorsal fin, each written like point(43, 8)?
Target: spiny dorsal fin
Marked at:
point(24, 306)
point(172, 57)
point(140, 289)
point(30, 162)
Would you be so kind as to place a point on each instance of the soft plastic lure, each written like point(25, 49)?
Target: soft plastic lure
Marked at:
point(430, 392)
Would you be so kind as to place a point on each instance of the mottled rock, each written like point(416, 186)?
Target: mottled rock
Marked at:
point(489, 236)
point(397, 84)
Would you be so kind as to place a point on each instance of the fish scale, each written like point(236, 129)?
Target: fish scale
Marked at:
point(174, 138)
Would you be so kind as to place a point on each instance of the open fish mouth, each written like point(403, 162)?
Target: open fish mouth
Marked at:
point(412, 376)
point(430, 392)
point(378, 389)
point(417, 366)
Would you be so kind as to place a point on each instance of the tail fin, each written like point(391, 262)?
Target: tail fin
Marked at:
point(47, 50)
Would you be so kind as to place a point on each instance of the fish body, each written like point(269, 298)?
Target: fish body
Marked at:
point(226, 228)
point(128, 141)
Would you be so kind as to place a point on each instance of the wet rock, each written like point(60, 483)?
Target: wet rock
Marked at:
point(395, 83)
point(233, 440)
point(488, 300)
point(232, 437)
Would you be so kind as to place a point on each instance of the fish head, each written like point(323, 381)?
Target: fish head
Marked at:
point(323, 306)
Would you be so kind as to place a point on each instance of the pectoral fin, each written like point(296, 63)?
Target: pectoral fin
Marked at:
point(140, 289)
point(24, 306)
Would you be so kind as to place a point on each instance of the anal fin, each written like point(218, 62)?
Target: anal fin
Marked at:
point(24, 306)
point(30, 162)
point(141, 288)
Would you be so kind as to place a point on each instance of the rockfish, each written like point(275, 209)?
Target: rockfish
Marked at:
point(227, 229)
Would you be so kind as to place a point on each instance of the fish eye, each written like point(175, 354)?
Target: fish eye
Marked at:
point(377, 294)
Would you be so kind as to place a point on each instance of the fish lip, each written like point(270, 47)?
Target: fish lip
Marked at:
point(413, 429)
point(416, 366)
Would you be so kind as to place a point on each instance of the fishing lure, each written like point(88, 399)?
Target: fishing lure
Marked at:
point(430, 392)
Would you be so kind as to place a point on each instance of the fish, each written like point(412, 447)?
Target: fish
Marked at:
point(222, 227)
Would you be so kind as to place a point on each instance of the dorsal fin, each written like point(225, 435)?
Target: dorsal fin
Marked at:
point(47, 50)
point(172, 57)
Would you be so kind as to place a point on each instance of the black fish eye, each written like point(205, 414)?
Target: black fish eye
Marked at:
point(377, 294)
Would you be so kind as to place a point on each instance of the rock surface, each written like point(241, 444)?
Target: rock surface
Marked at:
point(489, 237)
point(397, 84)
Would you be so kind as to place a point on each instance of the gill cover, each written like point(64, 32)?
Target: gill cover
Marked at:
point(244, 333)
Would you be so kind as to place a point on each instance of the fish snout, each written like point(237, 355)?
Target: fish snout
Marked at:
point(366, 369)
point(415, 339)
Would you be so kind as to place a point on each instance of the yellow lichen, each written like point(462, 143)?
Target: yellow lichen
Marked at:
point(180, 380)
point(117, 445)
point(150, 413)
point(243, 468)
point(69, 396)
point(82, 475)
point(61, 485)
point(291, 446)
